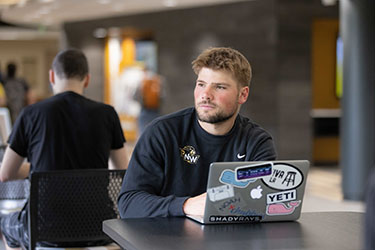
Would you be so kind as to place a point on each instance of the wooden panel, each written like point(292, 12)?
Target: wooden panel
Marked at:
point(326, 150)
point(324, 37)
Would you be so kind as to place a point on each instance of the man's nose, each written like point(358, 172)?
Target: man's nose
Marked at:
point(207, 93)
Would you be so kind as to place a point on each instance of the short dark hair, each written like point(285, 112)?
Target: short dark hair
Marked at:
point(70, 63)
point(11, 70)
point(227, 59)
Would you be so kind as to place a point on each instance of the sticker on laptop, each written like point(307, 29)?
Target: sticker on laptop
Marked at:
point(228, 177)
point(281, 208)
point(284, 196)
point(229, 204)
point(220, 192)
point(253, 171)
point(256, 193)
point(235, 218)
point(235, 206)
point(283, 177)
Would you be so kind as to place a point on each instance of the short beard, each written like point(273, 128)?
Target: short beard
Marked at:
point(216, 118)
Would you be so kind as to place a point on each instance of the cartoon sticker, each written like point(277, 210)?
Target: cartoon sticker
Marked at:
point(281, 208)
point(283, 177)
point(281, 197)
point(220, 193)
point(228, 177)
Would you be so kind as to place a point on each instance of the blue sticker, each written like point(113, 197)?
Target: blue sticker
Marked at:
point(228, 177)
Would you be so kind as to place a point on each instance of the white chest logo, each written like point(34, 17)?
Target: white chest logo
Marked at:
point(189, 154)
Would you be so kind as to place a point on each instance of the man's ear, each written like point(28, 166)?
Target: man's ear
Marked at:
point(86, 81)
point(52, 77)
point(243, 95)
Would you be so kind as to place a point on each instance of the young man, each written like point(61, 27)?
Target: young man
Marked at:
point(16, 90)
point(66, 131)
point(168, 171)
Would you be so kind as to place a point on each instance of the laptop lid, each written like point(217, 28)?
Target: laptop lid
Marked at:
point(243, 192)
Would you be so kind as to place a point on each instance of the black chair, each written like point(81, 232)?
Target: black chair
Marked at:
point(67, 208)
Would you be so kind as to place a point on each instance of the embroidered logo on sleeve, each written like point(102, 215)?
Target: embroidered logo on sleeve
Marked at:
point(189, 154)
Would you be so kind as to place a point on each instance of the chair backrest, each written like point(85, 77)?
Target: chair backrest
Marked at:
point(67, 208)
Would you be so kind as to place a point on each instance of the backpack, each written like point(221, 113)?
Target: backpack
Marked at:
point(151, 92)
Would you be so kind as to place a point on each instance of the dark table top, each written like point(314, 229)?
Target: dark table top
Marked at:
point(321, 230)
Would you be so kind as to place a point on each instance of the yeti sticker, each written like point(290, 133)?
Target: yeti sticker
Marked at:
point(281, 196)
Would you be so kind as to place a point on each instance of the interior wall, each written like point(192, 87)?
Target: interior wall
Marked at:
point(294, 98)
point(274, 35)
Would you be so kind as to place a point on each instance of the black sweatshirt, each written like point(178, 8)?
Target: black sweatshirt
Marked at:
point(171, 160)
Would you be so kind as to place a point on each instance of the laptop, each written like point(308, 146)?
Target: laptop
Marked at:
point(246, 192)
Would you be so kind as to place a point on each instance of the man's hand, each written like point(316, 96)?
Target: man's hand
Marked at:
point(195, 205)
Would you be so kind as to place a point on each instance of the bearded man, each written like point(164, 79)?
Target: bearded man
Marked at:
point(168, 171)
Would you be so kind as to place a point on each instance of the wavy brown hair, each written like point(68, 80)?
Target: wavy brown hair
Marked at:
point(226, 59)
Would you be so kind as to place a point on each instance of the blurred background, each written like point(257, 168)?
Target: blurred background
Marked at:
point(295, 48)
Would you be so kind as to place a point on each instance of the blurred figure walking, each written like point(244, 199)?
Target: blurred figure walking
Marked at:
point(16, 90)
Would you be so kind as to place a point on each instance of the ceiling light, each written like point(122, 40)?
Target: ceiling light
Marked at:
point(10, 2)
point(170, 3)
point(104, 1)
point(118, 7)
point(100, 33)
point(329, 2)
point(21, 3)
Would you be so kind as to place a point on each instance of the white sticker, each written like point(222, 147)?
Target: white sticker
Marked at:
point(283, 177)
point(220, 193)
point(256, 193)
point(281, 197)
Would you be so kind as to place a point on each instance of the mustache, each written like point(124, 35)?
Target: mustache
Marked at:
point(206, 102)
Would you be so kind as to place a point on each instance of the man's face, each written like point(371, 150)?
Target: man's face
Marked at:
point(217, 96)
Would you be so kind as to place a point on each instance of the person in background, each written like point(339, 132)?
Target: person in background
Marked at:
point(16, 90)
point(168, 170)
point(66, 131)
point(150, 94)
